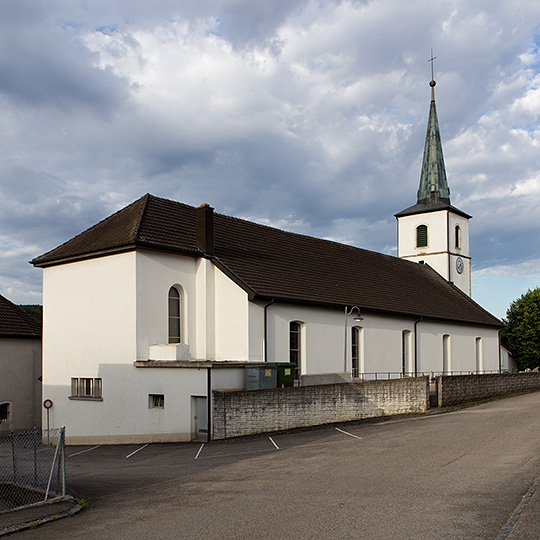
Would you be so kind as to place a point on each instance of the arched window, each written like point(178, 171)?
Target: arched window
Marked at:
point(295, 345)
point(447, 363)
point(458, 237)
point(357, 351)
point(479, 356)
point(421, 236)
point(175, 315)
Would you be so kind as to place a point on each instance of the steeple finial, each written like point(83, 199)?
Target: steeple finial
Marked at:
point(433, 183)
point(432, 83)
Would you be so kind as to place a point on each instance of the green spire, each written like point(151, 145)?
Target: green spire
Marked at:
point(433, 183)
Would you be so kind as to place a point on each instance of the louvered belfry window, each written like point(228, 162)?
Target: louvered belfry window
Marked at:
point(421, 236)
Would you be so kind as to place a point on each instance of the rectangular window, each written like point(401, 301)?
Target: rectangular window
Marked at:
point(156, 401)
point(4, 412)
point(86, 388)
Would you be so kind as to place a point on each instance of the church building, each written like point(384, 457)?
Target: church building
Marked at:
point(150, 310)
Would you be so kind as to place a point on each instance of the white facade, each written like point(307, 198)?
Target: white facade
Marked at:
point(106, 327)
point(447, 241)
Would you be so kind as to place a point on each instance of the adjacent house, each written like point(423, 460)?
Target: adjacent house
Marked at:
point(157, 305)
point(20, 368)
point(508, 362)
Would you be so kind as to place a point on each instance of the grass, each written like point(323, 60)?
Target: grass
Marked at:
point(83, 503)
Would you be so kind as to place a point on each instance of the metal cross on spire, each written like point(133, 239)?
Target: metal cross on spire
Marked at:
point(432, 60)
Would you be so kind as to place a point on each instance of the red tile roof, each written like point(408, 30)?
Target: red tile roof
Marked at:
point(274, 264)
point(16, 323)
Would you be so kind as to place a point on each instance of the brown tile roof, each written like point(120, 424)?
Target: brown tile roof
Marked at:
point(271, 263)
point(16, 323)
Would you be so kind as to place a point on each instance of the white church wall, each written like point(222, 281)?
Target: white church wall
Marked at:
point(463, 279)
point(323, 335)
point(383, 343)
point(232, 320)
point(462, 345)
point(215, 311)
point(463, 224)
point(156, 274)
point(204, 311)
point(88, 322)
point(256, 331)
point(127, 415)
point(437, 234)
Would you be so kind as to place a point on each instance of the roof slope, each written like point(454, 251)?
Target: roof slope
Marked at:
point(272, 263)
point(15, 322)
point(149, 221)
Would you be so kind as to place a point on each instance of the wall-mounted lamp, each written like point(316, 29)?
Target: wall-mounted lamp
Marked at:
point(358, 316)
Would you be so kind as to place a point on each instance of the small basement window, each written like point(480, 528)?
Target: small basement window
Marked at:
point(4, 413)
point(156, 401)
point(86, 388)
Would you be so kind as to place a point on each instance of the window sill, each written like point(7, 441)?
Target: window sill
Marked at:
point(85, 398)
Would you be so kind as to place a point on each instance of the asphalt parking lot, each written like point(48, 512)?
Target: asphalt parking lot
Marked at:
point(103, 471)
point(459, 475)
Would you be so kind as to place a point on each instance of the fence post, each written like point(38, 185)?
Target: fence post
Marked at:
point(13, 454)
point(35, 444)
point(63, 435)
point(52, 467)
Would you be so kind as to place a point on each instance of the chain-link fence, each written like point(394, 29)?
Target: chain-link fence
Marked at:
point(32, 467)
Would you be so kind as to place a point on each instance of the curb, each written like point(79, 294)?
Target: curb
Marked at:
point(66, 507)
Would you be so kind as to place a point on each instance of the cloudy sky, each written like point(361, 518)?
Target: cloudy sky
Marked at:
point(305, 115)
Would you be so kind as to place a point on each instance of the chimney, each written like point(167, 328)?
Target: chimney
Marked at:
point(205, 228)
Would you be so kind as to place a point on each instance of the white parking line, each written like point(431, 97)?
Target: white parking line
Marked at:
point(138, 450)
point(83, 451)
point(217, 456)
point(200, 450)
point(349, 434)
point(272, 441)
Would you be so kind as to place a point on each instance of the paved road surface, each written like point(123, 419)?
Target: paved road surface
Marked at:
point(458, 475)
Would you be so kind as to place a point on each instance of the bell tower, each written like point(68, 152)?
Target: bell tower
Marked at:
point(433, 231)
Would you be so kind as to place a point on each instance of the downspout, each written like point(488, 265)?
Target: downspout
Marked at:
point(500, 359)
point(209, 403)
point(345, 345)
point(265, 359)
point(416, 346)
point(448, 244)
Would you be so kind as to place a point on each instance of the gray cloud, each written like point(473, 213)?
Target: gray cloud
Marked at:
point(302, 115)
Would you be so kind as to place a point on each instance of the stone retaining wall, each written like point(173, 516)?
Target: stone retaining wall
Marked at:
point(457, 389)
point(239, 413)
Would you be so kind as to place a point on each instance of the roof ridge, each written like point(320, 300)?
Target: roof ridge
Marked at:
point(146, 198)
point(303, 235)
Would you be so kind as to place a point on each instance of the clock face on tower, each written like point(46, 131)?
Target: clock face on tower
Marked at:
point(459, 265)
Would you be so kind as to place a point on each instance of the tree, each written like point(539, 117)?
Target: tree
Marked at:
point(522, 331)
